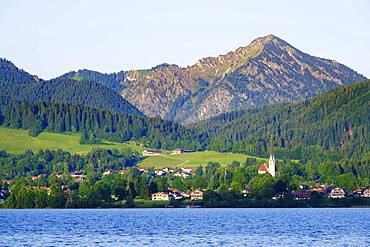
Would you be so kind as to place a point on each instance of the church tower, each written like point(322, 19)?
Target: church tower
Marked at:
point(272, 165)
point(272, 161)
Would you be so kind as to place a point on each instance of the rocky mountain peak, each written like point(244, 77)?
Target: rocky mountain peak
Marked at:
point(267, 71)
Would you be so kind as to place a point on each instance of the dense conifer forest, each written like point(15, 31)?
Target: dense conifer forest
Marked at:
point(97, 125)
point(18, 85)
point(335, 124)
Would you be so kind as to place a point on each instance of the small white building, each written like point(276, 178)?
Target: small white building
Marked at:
point(151, 152)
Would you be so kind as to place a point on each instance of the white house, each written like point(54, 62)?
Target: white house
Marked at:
point(161, 196)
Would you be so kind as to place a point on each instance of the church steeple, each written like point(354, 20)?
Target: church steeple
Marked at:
point(272, 160)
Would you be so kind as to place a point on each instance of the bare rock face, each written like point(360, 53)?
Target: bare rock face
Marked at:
point(267, 71)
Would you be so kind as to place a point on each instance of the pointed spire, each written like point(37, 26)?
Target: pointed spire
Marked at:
point(271, 147)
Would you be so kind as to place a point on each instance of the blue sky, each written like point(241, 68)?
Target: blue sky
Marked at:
point(49, 38)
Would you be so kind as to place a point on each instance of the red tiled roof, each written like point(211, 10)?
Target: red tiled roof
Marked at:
point(263, 168)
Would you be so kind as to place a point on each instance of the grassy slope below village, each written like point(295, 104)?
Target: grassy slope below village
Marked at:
point(18, 141)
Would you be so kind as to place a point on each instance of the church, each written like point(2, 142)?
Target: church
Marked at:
point(268, 168)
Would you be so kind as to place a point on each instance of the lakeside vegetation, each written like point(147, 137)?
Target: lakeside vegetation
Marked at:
point(105, 178)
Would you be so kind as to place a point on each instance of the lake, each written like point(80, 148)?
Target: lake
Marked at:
point(184, 227)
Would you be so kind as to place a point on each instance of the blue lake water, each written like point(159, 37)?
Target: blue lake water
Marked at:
point(185, 227)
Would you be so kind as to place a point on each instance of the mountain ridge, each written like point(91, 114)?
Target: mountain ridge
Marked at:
point(267, 71)
point(18, 86)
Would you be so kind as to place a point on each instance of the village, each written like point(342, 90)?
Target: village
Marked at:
point(305, 192)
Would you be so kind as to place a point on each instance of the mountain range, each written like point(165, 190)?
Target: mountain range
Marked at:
point(267, 71)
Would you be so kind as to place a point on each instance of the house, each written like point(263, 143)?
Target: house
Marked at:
point(301, 195)
point(181, 151)
point(143, 170)
point(3, 195)
point(151, 152)
point(108, 171)
point(122, 172)
point(79, 178)
point(76, 173)
point(319, 189)
point(177, 151)
point(177, 194)
point(167, 170)
point(159, 173)
point(366, 193)
point(246, 192)
point(278, 196)
point(357, 192)
point(337, 193)
point(35, 177)
point(303, 187)
point(161, 196)
point(8, 181)
point(197, 195)
point(268, 168)
point(186, 170)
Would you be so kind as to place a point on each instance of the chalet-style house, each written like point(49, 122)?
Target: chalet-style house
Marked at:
point(366, 193)
point(197, 195)
point(337, 193)
point(161, 196)
point(151, 152)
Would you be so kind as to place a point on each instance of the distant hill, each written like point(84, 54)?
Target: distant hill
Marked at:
point(337, 122)
point(18, 85)
point(112, 80)
point(10, 73)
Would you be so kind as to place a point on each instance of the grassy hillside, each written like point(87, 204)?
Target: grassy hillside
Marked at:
point(193, 159)
point(18, 141)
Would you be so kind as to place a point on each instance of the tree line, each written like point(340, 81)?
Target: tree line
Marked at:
point(95, 124)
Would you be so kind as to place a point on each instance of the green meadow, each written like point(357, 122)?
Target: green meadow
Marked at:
point(193, 159)
point(18, 141)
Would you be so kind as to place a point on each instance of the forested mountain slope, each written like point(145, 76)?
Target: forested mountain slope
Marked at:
point(17, 85)
point(338, 122)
